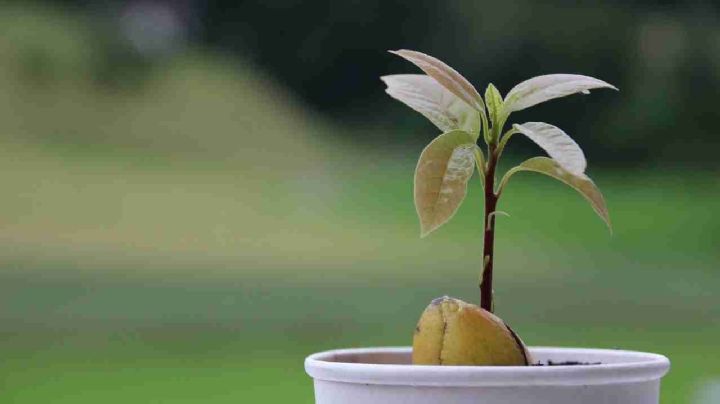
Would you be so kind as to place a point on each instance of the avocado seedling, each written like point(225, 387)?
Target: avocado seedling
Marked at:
point(450, 331)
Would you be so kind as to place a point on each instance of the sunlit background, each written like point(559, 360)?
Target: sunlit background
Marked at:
point(196, 195)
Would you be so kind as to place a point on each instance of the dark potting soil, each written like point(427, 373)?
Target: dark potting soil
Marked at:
point(567, 363)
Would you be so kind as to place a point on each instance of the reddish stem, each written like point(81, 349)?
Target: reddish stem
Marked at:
point(491, 199)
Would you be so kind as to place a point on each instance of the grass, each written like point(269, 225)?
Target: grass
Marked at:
point(102, 305)
point(184, 357)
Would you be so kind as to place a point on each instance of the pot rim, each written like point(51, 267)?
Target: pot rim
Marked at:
point(618, 366)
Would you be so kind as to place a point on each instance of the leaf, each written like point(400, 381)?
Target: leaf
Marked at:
point(494, 103)
point(581, 183)
point(544, 88)
point(445, 75)
point(556, 143)
point(426, 96)
point(441, 176)
point(480, 163)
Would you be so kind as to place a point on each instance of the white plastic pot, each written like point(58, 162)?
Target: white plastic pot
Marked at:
point(385, 376)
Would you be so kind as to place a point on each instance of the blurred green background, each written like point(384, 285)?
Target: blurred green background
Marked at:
point(197, 195)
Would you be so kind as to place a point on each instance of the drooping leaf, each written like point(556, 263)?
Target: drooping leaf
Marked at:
point(581, 183)
point(543, 88)
point(426, 96)
point(494, 103)
point(445, 75)
point(556, 143)
point(441, 176)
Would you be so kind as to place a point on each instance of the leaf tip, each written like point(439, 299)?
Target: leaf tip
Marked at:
point(425, 231)
point(606, 219)
point(608, 85)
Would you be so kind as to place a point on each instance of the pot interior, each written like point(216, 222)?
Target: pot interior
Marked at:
point(540, 356)
point(378, 357)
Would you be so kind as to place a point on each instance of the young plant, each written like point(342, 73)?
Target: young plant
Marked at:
point(445, 166)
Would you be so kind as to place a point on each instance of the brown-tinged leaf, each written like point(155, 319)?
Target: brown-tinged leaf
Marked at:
point(581, 183)
point(445, 75)
point(556, 143)
point(441, 176)
point(426, 96)
point(543, 88)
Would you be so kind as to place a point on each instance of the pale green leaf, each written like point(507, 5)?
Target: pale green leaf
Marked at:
point(441, 176)
point(480, 163)
point(556, 143)
point(581, 183)
point(494, 104)
point(445, 75)
point(426, 96)
point(543, 88)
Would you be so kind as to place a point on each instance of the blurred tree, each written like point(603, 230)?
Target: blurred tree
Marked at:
point(663, 55)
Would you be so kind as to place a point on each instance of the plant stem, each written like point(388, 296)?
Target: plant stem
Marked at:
point(486, 287)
